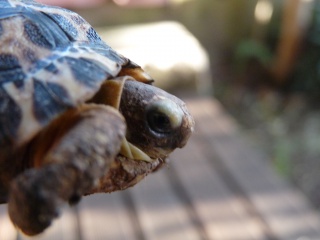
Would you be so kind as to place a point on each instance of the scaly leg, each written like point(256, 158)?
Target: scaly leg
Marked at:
point(74, 152)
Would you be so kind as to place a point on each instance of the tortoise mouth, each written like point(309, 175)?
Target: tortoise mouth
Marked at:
point(133, 152)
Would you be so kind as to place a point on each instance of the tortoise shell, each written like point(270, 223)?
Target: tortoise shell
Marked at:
point(51, 59)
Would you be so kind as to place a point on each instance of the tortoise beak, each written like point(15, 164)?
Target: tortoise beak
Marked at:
point(132, 152)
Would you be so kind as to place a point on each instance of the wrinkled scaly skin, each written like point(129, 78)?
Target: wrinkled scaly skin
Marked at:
point(76, 158)
point(78, 154)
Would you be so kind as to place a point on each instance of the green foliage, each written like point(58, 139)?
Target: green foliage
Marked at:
point(306, 77)
point(282, 156)
point(251, 49)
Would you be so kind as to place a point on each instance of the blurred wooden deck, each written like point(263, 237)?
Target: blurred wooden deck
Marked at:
point(217, 187)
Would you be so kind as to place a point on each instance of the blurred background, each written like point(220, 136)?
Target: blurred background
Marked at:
point(259, 58)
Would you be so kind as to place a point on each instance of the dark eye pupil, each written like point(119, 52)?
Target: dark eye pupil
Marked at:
point(159, 122)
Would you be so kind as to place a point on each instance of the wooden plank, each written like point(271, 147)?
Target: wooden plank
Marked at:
point(215, 188)
point(161, 213)
point(105, 216)
point(221, 212)
point(7, 230)
point(64, 228)
point(285, 210)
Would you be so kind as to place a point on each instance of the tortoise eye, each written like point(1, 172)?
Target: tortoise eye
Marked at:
point(159, 122)
point(163, 116)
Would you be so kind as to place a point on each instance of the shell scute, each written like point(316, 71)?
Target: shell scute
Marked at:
point(109, 53)
point(4, 3)
point(10, 69)
point(47, 103)
point(73, 49)
point(19, 83)
point(14, 75)
point(59, 93)
point(86, 71)
point(8, 61)
point(9, 120)
point(52, 68)
point(40, 64)
point(38, 27)
point(93, 36)
point(43, 32)
point(65, 24)
point(37, 36)
point(51, 59)
point(29, 55)
point(78, 20)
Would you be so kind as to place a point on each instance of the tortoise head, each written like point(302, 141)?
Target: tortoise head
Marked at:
point(157, 122)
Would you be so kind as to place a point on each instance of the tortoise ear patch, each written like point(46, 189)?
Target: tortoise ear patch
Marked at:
point(9, 120)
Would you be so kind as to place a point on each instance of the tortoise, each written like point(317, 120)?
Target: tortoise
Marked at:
point(76, 117)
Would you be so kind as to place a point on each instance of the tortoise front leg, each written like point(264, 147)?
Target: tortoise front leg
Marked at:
point(85, 142)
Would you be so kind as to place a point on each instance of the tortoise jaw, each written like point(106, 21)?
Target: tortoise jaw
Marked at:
point(132, 152)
